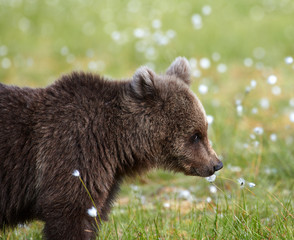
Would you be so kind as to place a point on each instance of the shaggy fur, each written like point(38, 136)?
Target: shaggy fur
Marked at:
point(105, 129)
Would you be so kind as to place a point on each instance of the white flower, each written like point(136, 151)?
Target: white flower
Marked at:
point(251, 185)
point(166, 205)
point(276, 90)
point(209, 119)
point(239, 110)
point(171, 33)
point(202, 89)
point(255, 144)
point(258, 130)
point(135, 188)
point(238, 102)
point(211, 178)
point(241, 182)
point(248, 62)
point(264, 103)
point(235, 169)
point(139, 33)
point(221, 68)
point(197, 21)
point(92, 212)
point(193, 62)
point(208, 199)
point(254, 110)
point(288, 60)
point(272, 79)
point(216, 56)
point(92, 65)
point(142, 199)
point(3, 50)
point(76, 173)
point(116, 36)
point(196, 73)
point(253, 83)
point(204, 63)
point(156, 23)
point(273, 137)
point(185, 194)
point(245, 145)
point(6, 63)
point(64, 50)
point(291, 116)
point(206, 10)
point(150, 53)
point(212, 189)
point(247, 89)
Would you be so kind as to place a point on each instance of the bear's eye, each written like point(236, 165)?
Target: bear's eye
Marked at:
point(196, 138)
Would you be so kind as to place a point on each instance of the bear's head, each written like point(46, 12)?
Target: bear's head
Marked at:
point(175, 120)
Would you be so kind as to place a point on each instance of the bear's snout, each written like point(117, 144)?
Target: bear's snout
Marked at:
point(217, 167)
point(217, 163)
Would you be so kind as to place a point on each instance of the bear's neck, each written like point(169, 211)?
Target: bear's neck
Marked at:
point(122, 126)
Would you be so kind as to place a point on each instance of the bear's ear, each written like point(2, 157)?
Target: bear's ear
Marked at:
point(143, 82)
point(181, 69)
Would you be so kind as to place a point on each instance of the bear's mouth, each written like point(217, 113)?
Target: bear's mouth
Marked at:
point(193, 172)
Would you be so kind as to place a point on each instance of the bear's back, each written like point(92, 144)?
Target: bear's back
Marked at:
point(16, 151)
point(16, 108)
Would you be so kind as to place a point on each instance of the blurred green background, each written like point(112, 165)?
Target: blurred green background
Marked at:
point(42, 39)
point(241, 55)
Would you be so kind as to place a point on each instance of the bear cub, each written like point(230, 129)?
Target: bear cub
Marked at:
point(104, 129)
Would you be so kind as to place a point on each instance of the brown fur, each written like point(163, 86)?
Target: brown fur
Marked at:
point(106, 130)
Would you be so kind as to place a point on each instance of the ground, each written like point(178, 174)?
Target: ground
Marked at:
point(241, 54)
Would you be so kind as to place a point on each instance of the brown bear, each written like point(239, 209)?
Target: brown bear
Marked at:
point(104, 129)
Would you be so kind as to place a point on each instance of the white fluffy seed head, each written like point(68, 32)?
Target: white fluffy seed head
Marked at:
point(92, 212)
point(204, 63)
point(203, 89)
point(211, 178)
point(241, 182)
point(291, 116)
point(166, 205)
point(254, 110)
point(239, 110)
point(212, 189)
point(197, 21)
point(272, 79)
point(258, 130)
point(222, 68)
point(206, 10)
point(276, 90)
point(288, 60)
point(264, 103)
point(273, 137)
point(209, 119)
point(248, 62)
point(76, 173)
point(253, 83)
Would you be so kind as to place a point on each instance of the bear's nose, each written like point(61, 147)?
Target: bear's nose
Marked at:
point(218, 166)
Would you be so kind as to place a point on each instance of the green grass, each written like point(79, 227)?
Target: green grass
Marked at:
point(45, 39)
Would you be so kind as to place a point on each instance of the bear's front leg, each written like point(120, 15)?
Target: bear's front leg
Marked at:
point(71, 227)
